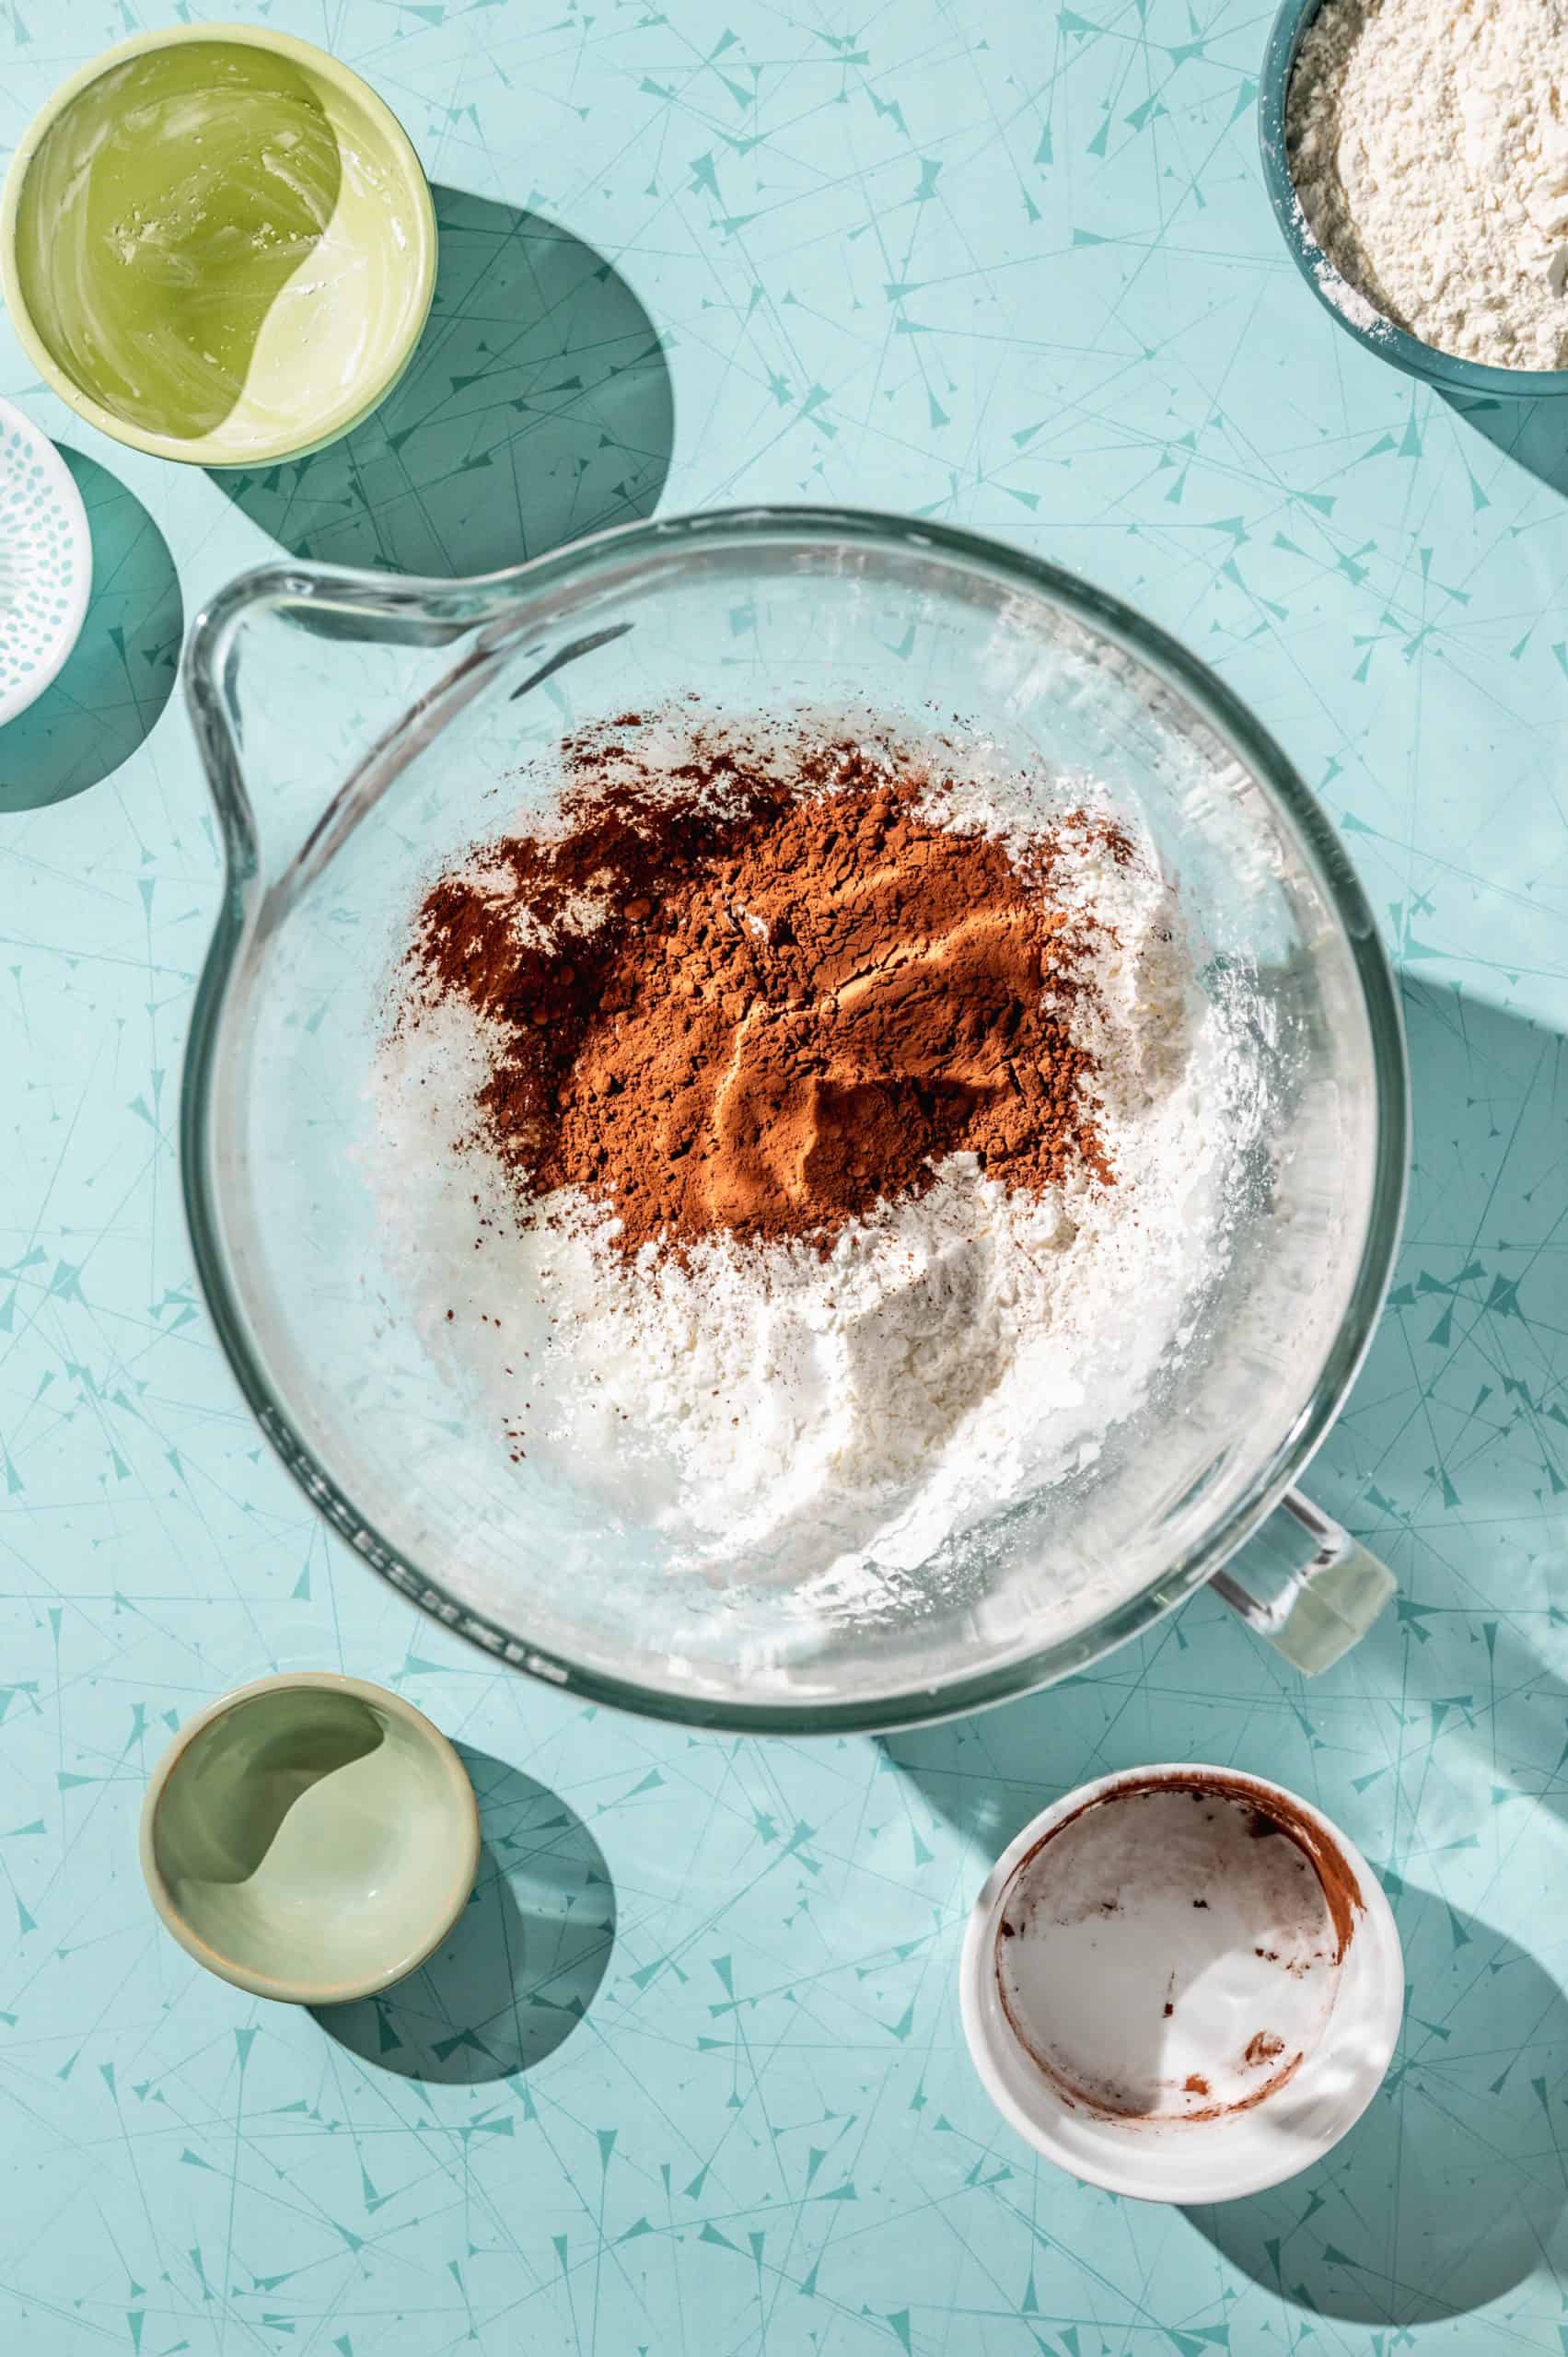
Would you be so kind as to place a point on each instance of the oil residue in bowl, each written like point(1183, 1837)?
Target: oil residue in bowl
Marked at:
point(1172, 1950)
point(181, 239)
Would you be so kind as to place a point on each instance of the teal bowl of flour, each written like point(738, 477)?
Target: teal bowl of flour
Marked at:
point(1349, 309)
point(46, 565)
point(310, 1838)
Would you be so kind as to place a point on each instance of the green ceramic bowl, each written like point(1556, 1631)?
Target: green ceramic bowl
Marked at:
point(310, 1838)
point(217, 245)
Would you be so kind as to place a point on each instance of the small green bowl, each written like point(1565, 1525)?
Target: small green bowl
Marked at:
point(217, 245)
point(310, 1838)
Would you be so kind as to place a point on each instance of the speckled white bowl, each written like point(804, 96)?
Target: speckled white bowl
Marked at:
point(46, 561)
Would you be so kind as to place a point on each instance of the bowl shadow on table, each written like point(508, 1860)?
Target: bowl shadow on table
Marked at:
point(1470, 1360)
point(119, 676)
point(1534, 433)
point(1450, 2190)
point(524, 1962)
point(538, 408)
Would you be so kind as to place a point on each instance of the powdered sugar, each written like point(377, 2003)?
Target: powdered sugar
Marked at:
point(766, 1414)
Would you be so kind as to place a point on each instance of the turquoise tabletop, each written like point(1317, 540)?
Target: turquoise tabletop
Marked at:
point(692, 2079)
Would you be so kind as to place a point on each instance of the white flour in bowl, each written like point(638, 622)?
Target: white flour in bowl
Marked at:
point(773, 1415)
point(1428, 144)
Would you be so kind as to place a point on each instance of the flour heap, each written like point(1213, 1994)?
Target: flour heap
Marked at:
point(812, 1148)
point(1428, 144)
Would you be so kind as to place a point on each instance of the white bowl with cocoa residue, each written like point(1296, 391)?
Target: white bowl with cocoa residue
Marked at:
point(1181, 1983)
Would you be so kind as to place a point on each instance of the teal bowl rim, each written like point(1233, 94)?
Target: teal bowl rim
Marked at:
point(494, 595)
point(345, 414)
point(1449, 374)
point(311, 1992)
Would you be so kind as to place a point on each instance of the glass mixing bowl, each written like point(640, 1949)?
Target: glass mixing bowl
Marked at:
point(359, 733)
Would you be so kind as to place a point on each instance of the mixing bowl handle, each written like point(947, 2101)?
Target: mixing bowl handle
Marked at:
point(1305, 1585)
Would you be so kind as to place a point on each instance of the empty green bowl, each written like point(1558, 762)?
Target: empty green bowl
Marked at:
point(310, 1838)
point(217, 245)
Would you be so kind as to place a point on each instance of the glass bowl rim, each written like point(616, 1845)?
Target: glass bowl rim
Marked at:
point(1388, 341)
point(485, 595)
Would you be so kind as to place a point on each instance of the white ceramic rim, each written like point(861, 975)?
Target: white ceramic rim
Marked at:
point(1379, 2016)
point(454, 1899)
point(68, 630)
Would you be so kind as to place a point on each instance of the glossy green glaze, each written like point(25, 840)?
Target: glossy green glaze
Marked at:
point(223, 248)
point(310, 1838)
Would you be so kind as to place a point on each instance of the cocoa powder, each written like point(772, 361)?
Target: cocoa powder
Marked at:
point(757, 996)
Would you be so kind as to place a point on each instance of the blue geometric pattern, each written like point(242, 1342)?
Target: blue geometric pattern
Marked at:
point(693, 2080)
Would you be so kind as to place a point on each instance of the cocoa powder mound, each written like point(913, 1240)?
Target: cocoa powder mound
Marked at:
point(728, 999)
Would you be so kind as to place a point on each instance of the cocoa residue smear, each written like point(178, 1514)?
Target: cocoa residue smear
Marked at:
point(760, 994)
point(1297, 1880)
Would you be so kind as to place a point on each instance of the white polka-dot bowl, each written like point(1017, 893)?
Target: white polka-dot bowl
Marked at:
point(46, 561)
